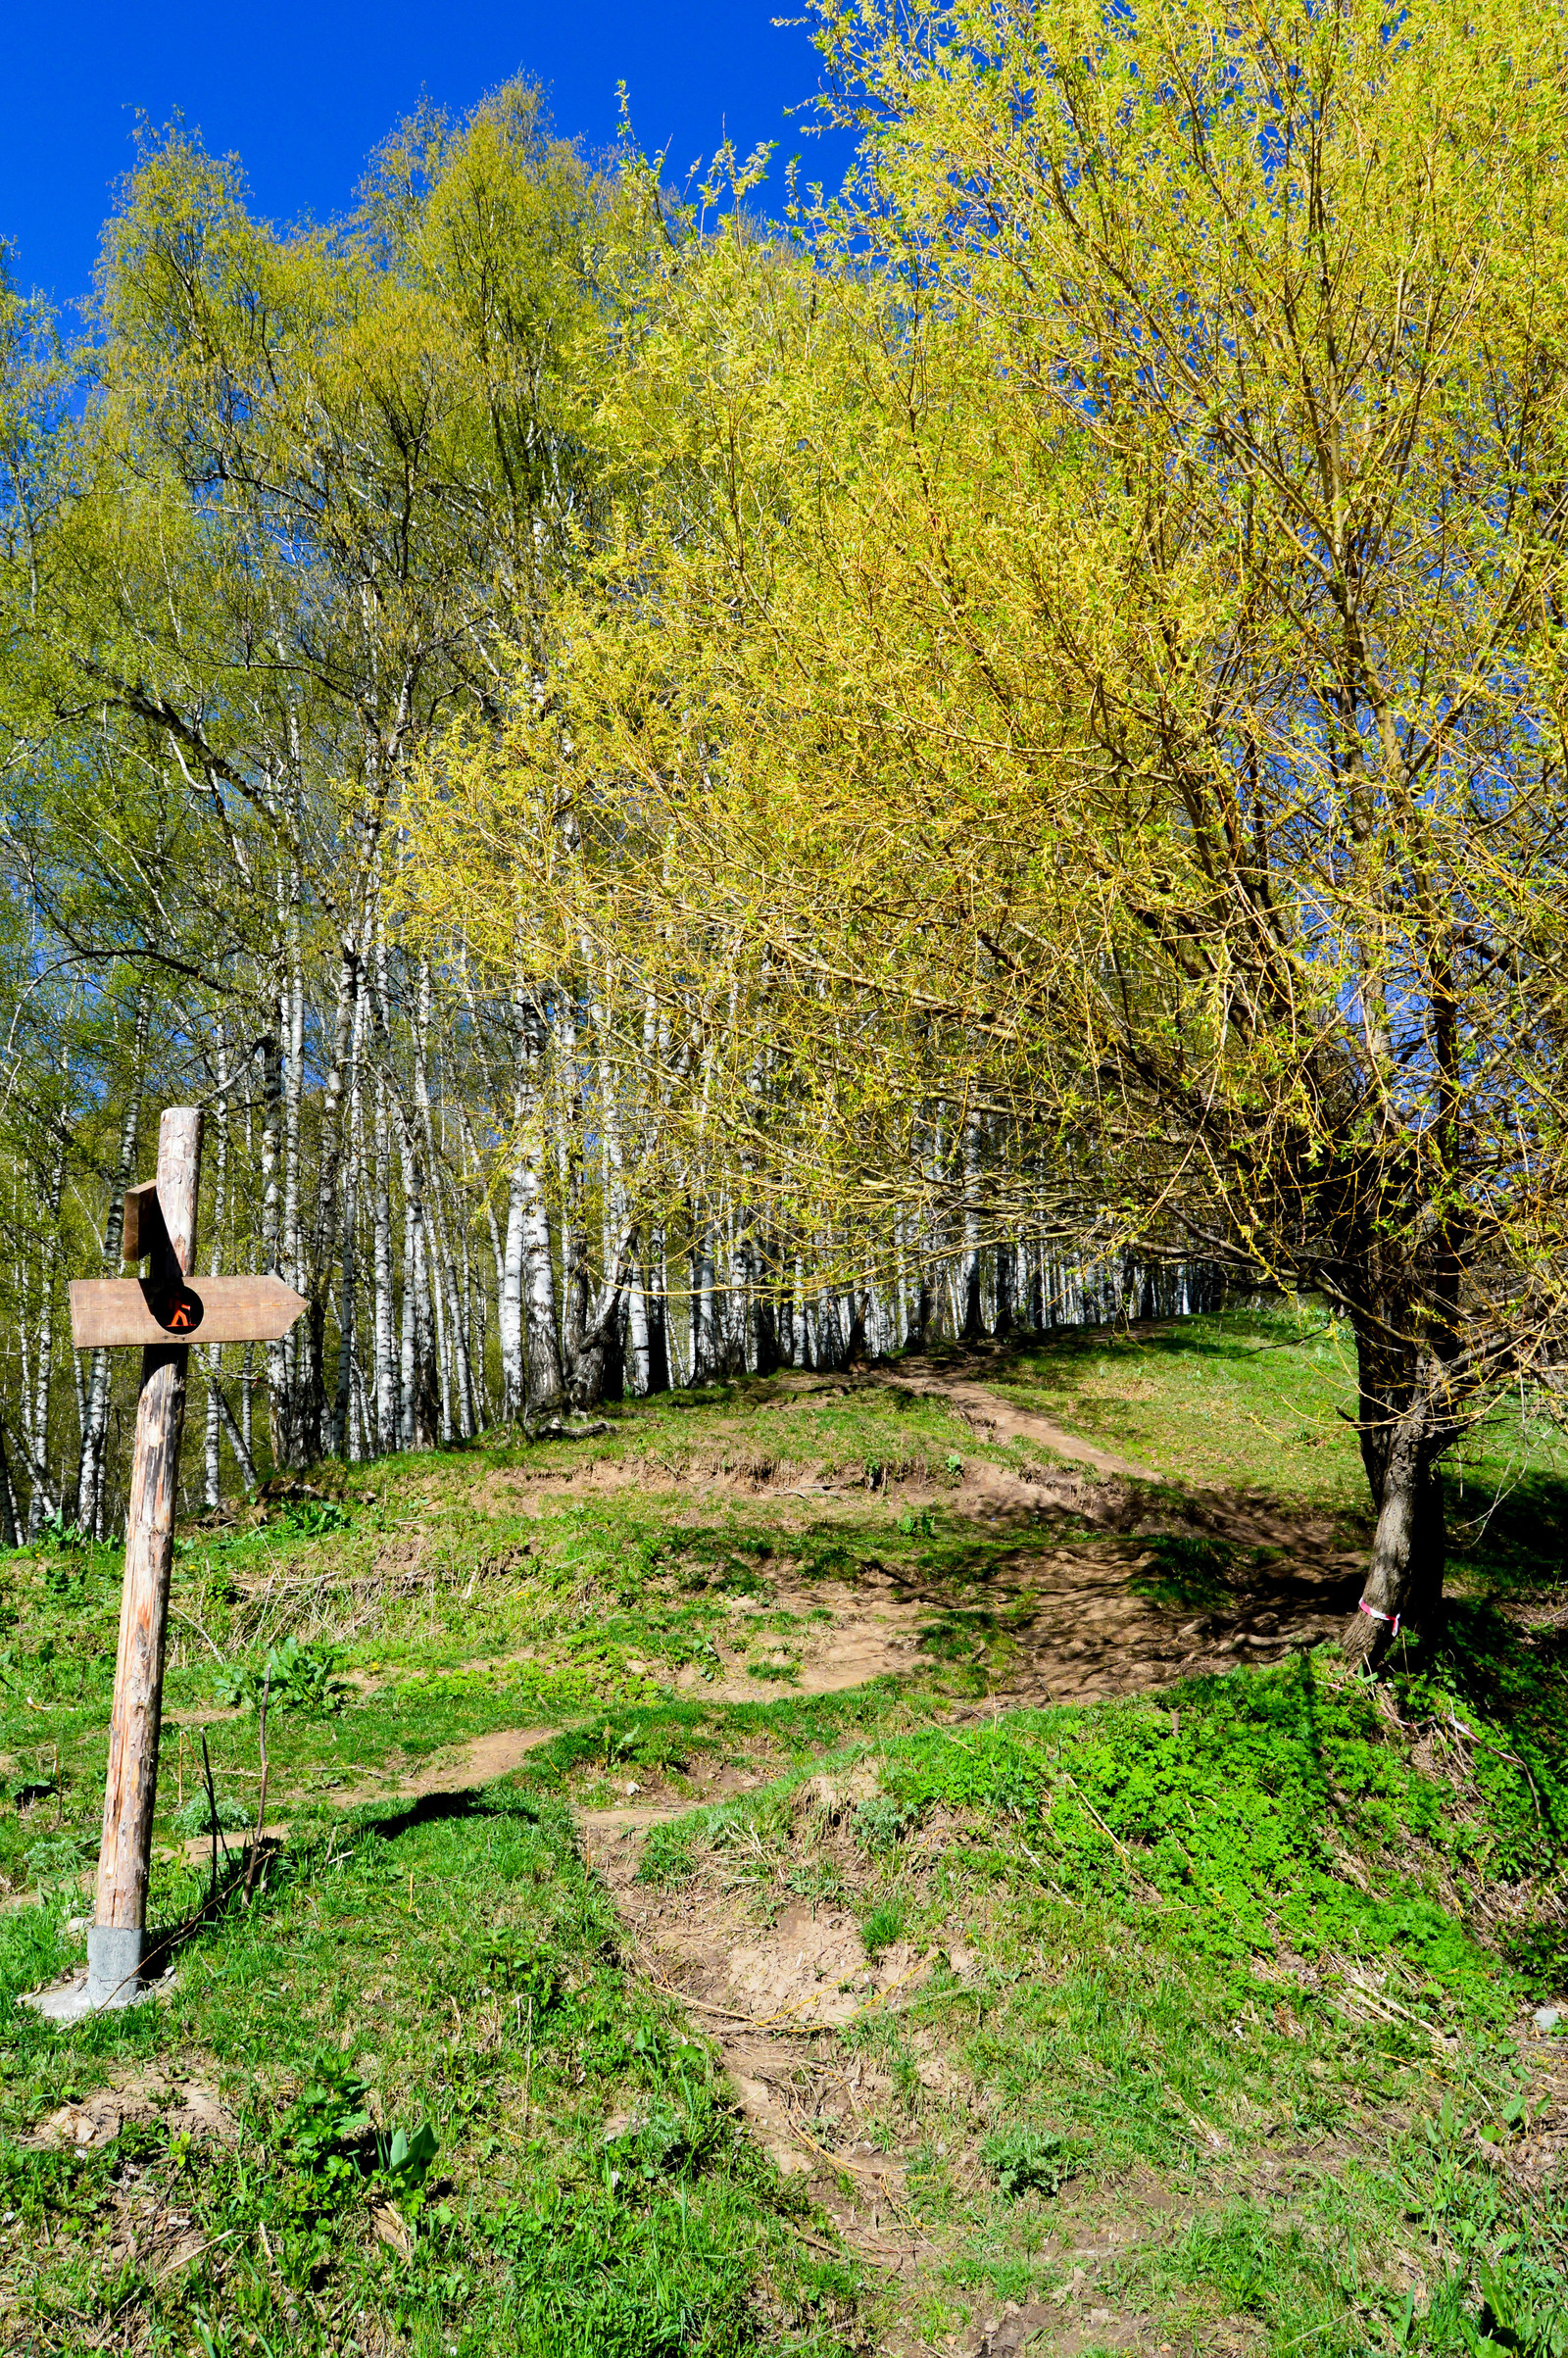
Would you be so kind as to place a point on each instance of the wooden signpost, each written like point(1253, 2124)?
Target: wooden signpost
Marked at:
point(164, 1313)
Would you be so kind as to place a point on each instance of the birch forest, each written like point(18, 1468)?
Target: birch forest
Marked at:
point(706, 778)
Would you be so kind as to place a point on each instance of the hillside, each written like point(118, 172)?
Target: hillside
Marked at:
point(822, 1863)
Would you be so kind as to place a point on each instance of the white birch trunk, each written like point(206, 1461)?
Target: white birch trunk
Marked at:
point(91, 1483)
point(35, 1409)
point(279, 1387)
point(544, 1379)
point(211, 1358)
point(339, 1441)
point(389, 1402)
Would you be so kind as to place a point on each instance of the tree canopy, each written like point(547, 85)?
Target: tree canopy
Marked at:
point(1080, 651)
point(696, 788)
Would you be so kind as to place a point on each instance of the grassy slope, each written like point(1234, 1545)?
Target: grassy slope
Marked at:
point(1214, 2037)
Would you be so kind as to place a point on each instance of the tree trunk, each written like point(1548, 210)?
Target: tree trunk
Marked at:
point(282, 1396)
point(512, 1287)
point(637, 1335)
point(420, 1396)
point(1402, 1439)
point(704, 1351)
point(212, 1359)
point(317, 1436)
point(8, 1497)
point(387, 1391)
point(348, 1254)
point(43, 1504)
point(90, 1479)
point(442, 1307)
point(542, 1343)
point(36, 1412)
point(298, 1349)
point(594, 1371)
point(973, 1326)
point(1006, 1281)
point(237, 1441)
point(658, 1368)
point(766, 1354)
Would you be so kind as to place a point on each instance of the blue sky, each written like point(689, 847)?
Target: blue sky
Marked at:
point(303, 91)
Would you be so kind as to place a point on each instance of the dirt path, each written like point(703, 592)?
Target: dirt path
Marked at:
point(478, 1763)
point(783, 1992)
point(773, 1999)
point(992, 1413)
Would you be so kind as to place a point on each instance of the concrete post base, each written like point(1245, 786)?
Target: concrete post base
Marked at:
point(112, 1978)
point(114, 1965)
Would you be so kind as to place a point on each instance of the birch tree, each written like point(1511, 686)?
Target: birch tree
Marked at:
point(1084, 650)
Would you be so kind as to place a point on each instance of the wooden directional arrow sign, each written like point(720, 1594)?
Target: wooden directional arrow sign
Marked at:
point(112, 1311)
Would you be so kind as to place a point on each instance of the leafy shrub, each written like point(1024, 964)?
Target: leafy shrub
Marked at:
point(330, 2138)
point(1524, 2312)
point(671, 2142)
point(1244, 1793)
point(880, 1822)
point(619, 1745)
point(512, 1963)
point(312, 1518)
point(61, 1855)
point(196, 1816)
point(54, 1533)
point(297, 1678)
point(1026, 2159)
point(326, 2124)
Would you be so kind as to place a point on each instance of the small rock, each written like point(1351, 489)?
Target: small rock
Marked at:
point(1547, 2018)
point(75, 1926)
point(634, 1788)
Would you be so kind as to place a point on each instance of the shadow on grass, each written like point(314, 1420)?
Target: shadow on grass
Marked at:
point(1514, 1536)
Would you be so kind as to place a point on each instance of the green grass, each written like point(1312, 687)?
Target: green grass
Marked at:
point(1201, 1935)
point(1224, 1985)
point(591, 2189)
point(1258, 1400)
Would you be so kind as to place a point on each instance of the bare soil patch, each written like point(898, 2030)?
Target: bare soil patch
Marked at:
point(184, 2108)
point(478, 1763)
point(776, 1995)
point(773, 1997)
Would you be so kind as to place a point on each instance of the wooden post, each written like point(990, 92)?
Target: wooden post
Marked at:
point(117, 1938)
